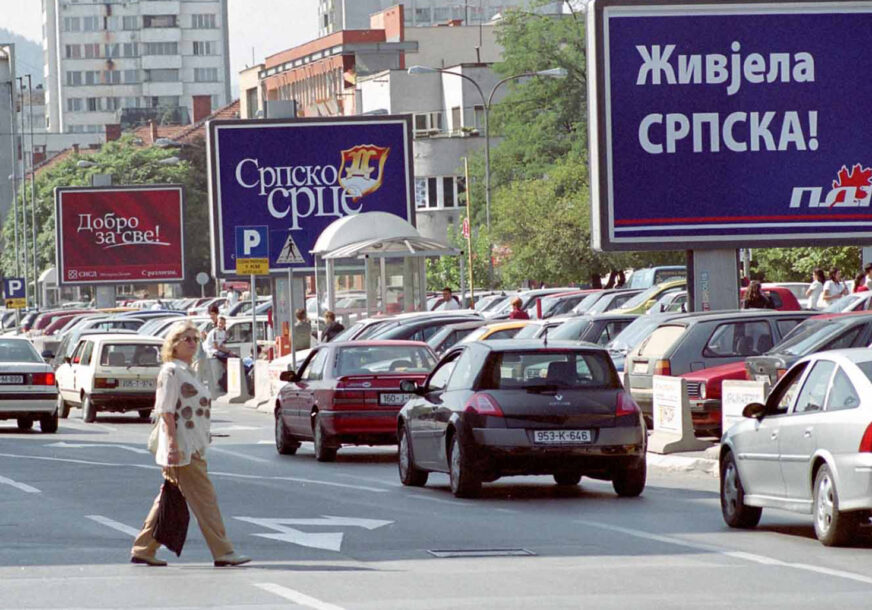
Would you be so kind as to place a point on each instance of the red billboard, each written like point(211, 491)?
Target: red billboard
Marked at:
point(120, 234)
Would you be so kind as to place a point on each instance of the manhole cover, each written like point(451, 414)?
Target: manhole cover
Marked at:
point(449, 553)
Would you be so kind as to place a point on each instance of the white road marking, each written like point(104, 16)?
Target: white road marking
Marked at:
point(419, 496)
point(506, 510)
point(20, 486)
point(752, 557)
point(295, 596)
point(265, 442)
point(243, 456)
point(233, 428)
point(83, 426)
point(99, 445)
point(113, 524)
point(327, 541)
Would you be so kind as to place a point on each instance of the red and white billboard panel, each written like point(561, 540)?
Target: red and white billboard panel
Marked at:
point(123, 234)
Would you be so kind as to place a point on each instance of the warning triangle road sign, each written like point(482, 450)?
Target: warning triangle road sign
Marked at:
point(290, 254)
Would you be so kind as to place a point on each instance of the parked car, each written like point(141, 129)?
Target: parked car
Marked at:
point(820, 333)
point(856, 301)
point(698, 341)
point(673, 301)
point(419, 328)
point(612, 300)
point(704, 394)
point(528, 297)
point(449, 335)
point(782, 298)
point(347, 393)
point(558, 304)
point(505, 408)
point(112, 372)
point(797, 288)
point(539, 329)
point(600, 330)
point(71, 340)
point(646, 278)
point(643, 301)
point(636, 331)
point(486, 302)
point(807, 449)
point(27, 386)
point(495, 330)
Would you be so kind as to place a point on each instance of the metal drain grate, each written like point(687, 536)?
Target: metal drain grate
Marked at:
point(451, 553)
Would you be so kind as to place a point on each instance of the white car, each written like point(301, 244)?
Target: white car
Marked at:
point(808, 449)
point(111, 372)
point(27, 386)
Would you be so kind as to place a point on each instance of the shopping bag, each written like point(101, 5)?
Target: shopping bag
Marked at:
point(171, 526)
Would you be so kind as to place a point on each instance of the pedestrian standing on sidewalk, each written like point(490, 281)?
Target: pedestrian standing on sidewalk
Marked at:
point(834, 288)
point(333, 327)
point(302, 336)
point(815, 288)
point(182, 411)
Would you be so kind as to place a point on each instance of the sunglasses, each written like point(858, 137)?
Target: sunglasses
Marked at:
point(190, 339)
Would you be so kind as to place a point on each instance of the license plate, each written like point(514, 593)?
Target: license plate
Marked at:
point(640, 367)
point(136, 384)
point(12, 379)
point(562, 437)
point(394, 400)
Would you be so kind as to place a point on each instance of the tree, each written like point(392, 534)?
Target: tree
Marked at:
point(127, 163)
point(797, 264)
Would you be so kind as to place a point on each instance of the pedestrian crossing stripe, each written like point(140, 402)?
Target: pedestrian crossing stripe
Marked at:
point(290, 253)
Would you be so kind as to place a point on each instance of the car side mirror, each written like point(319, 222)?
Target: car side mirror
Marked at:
point(755, 409)
point(289, 376)
point(410, 387)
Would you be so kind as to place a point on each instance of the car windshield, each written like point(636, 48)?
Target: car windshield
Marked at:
point(587, 302)
point(365, 360)
point(349, 333)
point(642, 297)
point(571, 330)
point(130, 354)
point(17, 351)
point(806, 336)
point(843, 303)
point(548, 369)
point(642, 278)
point(529, 331)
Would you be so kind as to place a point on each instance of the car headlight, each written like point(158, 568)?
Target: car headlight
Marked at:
point(702, 390)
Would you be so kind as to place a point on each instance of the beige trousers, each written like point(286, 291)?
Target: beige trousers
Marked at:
point(194, 483)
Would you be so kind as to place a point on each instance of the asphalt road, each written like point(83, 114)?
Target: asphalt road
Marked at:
point(348, 535)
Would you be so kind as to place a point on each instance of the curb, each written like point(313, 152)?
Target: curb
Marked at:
point(685, 463)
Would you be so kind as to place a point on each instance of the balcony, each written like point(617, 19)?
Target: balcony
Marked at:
point(159, 62)
point(161, 89)
point(161, 115)
point(160, 35)
point(160, 7)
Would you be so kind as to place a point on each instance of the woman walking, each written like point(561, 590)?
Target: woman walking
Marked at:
point(183, 411)
point(815, 288)
point(834, 288)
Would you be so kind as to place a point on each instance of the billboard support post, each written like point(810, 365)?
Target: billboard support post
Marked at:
point(291, 317)
point(104, 294)
point(253, 320)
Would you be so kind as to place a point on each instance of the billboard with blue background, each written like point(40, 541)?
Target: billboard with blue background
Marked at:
point(729, 124)
point(297, 176)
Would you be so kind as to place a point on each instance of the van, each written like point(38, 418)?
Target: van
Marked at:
point(645, 278)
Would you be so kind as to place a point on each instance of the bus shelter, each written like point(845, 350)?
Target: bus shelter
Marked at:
point(387, 251)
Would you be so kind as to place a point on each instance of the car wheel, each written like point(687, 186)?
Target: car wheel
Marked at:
point(629, 481)
point(831, 526)
point(323, 452)
point(49, 423)
point(89, 413)
point(733, 508)
point(63, 407)
point(409, 474)
point(464, 481)
point(567, 478)
point(285, 443)
point(25, 423)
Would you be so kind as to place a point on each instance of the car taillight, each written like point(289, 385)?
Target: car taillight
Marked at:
point(779, 373)
point(625, 405)
point(105, 382)
point(866, 441)
point(662, 367)
point(484, 404)
point(42, 379)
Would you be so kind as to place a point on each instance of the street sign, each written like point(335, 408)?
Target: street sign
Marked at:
point(202, 278)
point(723, 124)
point(297, 176)
point(252, 250)
point(120, 234)
point(13, 291)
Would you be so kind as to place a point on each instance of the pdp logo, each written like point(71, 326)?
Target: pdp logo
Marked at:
point(73, 274)
point(851, 189)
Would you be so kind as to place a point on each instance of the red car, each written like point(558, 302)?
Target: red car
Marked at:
point(782, 298)
point(348, 393)
point(704, 394)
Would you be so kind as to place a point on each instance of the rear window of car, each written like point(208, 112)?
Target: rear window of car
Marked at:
point(130, 354)
point(18, 351)
point(738, 339)
point(548, 369)
point(661, 340)
point(366, 360)
point(570, 330)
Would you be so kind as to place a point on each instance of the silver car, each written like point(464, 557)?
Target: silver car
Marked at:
point(808, 449)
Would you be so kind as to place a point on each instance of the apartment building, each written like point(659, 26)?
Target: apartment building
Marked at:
point(336, 15)
point(131, 61)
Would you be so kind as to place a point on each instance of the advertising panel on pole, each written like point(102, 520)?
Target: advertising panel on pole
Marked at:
point(297, 176)
point(120, 234)
point(718, 125)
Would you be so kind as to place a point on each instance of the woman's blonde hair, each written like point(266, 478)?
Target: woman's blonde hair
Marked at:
point(168, 349)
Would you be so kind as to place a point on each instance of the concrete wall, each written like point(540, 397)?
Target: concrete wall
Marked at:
point(439, 47)
point(7, 80)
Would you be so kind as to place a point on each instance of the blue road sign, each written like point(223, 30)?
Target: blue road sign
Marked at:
point(252, 242)
point(13, 287)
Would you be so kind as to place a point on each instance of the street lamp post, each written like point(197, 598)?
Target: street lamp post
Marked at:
point(486, 104)
point(32, 195)
point(20, 80)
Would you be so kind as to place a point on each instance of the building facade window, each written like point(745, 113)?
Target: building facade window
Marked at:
point(93, 104)
point(456, 119)
point(448, 192)
point(73, 51)
point(478, 117)
point(112, 77)
point(160, 48)
point(112, 50)
point(130, 49)
point(204, 47)
point(159, 21)
point(205, 75)
point(422, 16)
point(91, 24)
point(92, 51)
point(72, 24)
point(439, 192)
point(428, 123)
point(92, 77)
point(164, 75)
point(74, 78)
point(130, 76)
point(74, 104)
point(112, 103)
point(130, 22)
point(203, 22)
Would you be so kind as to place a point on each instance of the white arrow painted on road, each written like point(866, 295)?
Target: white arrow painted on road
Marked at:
point(89, 445)
point(327, 541)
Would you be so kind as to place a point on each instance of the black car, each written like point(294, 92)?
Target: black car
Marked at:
point(600, 329)
point(418, 328)
point(518, 407)
point(447, 336)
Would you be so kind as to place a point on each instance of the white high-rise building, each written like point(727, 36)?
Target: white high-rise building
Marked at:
point(133, 60)
point(336, 15)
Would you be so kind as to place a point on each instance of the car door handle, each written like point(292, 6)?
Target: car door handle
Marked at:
point(773, 436)
point(807, 432)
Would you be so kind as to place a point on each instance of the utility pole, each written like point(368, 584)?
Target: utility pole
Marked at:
point(33, 196)
point(23, 200)
point(13, 177)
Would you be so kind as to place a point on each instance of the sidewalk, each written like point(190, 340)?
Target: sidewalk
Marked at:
point(702, 461)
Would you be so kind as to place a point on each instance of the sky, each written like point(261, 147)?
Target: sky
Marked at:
point(267, 26)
